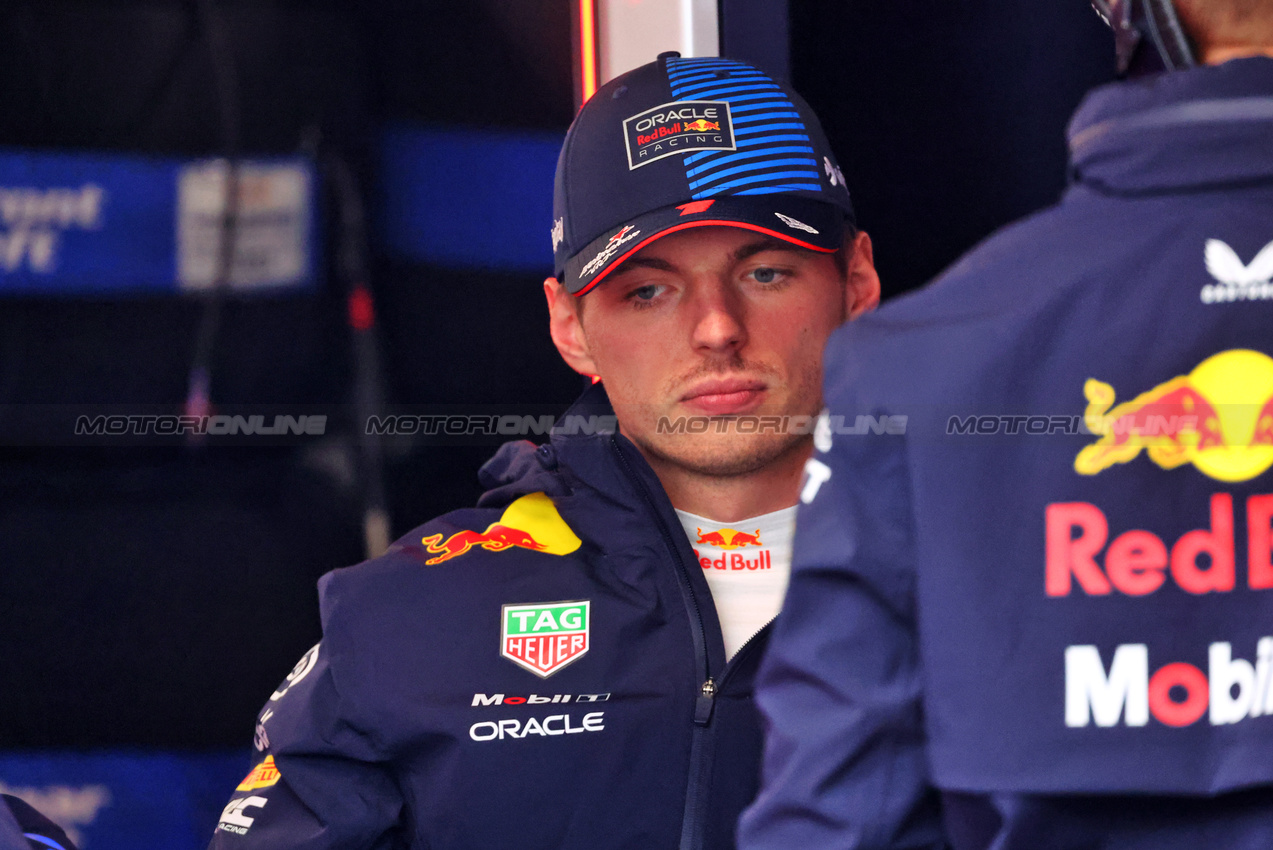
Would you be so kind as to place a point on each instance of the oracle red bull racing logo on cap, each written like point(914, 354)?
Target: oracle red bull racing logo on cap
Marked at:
point(1219, 417)
point(682, 126)
point(531, 522)
point(544, 637)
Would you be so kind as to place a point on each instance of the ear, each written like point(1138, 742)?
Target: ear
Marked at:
point(566, 329)
point(863, 290)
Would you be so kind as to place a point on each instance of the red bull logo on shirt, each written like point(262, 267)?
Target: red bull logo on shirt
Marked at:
point(532, 522)
point(1219, 417)
point(730, 539)
point(546, 636)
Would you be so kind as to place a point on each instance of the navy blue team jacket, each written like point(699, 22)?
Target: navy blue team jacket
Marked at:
point(543, 671)
point(24, 828)
point(1032, 603)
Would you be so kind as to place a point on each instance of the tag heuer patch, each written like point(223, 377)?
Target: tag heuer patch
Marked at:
point(546, 636)
point(683, 126)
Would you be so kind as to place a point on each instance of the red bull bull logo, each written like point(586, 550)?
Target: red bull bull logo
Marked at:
point(1219, 417)
point(532, 522)
point(728, 538)
point(701, 126)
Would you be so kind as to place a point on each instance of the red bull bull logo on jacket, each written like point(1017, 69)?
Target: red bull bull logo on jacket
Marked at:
point(1219, 417)
point(531, 522)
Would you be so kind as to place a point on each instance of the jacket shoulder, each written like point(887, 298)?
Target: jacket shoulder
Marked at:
point(445, 551)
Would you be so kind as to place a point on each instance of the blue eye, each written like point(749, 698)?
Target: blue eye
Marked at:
point(765, 275)
point(646, 293)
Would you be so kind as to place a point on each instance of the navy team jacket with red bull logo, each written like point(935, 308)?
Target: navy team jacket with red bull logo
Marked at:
point(543, 671)
point(1039, 614)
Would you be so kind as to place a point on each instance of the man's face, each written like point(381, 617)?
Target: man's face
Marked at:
point(713, 323)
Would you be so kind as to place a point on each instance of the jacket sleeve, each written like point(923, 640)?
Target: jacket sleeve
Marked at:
point(840, 687)
point(319, 780)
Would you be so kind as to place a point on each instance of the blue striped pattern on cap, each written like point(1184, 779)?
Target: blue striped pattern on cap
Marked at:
point(774, 152)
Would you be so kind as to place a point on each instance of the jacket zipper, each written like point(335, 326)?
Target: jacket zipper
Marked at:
point(701, 739)
point(707, 695)
point(696, 612)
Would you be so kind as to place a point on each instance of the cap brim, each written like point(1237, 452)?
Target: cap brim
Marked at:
point(814, 225)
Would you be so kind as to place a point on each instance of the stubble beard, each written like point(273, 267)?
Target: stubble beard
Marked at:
point(722, 451)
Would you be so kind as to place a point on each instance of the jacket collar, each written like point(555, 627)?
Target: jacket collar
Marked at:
point(585, 448)
point(1208, 126)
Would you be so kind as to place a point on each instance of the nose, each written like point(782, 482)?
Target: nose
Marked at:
point(720, 322)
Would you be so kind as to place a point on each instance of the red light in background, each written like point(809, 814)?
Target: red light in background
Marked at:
point(587, 48)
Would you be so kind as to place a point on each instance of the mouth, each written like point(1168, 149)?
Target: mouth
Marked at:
point(725, 396)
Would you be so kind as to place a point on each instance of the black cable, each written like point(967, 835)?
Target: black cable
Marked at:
point(351, 265)
point(199, 391)
point(128, 130)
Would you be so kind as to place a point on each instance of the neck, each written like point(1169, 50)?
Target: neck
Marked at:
point(1220, 53)
point(731, 498)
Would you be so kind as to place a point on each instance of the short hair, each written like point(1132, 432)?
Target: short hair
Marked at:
point(841, 255)
point(1227, 23)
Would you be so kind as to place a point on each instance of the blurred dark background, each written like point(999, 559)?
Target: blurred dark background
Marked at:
point(153, 595)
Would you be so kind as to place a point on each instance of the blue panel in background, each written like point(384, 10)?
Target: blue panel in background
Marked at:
point(467, 198)
point(97, 224)
point(127, 800)
point(91, 222)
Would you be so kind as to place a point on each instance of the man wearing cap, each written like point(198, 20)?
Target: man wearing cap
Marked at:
point(1042, 617)
point(570, 664)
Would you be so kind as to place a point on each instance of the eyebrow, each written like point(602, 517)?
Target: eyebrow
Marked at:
point(767, 243)
point(759, 246)
point(639, 262)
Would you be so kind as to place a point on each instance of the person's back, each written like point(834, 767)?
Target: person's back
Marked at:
point(1046, 611)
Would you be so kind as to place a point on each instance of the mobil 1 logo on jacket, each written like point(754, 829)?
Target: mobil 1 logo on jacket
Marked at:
point(544, 637)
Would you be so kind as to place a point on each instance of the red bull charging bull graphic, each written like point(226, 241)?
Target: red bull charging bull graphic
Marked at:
point(729, 539)
point(1219, 418)
point(531, 522)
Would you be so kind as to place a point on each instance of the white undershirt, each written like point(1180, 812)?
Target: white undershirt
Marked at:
point(747, 578)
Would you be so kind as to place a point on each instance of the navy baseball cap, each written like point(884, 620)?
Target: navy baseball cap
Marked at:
point(683, 143)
